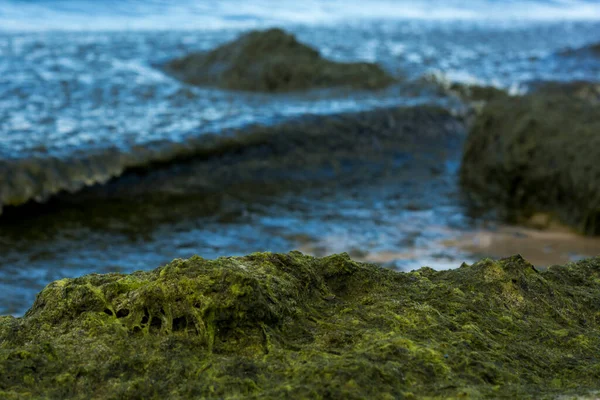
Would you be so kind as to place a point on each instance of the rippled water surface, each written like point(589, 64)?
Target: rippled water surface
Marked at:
point(65, 92)
point(80, 78)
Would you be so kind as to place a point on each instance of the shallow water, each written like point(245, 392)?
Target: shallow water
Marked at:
point(87, 89)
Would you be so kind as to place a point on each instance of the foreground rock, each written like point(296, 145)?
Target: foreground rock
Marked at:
point(292, 326)
point(538, 153)
point(273, 61)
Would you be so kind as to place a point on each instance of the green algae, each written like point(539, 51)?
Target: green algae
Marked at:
point(273, 61)
point(538, 154)
point(293, 326)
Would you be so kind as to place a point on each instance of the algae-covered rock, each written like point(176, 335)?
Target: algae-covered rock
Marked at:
point(273, 61)
point(584, 90)
point(475, 97)
point(346, 148)
point(477, 92)
point(292, 326)
point(299, 145)
point(537, 153)
point(471, 97)
point(467, 92)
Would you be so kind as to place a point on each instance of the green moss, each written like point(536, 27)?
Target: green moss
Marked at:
point(292, 326)
point(537, 154)
point(273, 61)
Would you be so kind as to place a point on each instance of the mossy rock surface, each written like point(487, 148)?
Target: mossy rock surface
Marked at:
point(273, 61)
point(293, 326)
point(537, 153)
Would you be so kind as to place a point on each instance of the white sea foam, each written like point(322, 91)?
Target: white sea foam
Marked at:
point(16, 15)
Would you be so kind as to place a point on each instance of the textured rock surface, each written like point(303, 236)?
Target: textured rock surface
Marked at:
point(273, 61)
point(538, 153)
point(292, 326)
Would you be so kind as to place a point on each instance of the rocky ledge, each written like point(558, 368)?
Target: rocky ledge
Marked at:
point(292, 326)
point(273, 61)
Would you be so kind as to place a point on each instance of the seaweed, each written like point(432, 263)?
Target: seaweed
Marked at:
point(293, 326)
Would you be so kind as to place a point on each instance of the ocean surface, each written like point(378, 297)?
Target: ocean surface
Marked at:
point(86, 117)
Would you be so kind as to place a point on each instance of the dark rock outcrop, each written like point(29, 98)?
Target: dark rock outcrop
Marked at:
point(538, 153)
point(273, 61)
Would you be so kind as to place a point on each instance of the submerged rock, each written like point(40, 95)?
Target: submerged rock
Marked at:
point(537, 153)
point(470, 97)
point(292, 326)
point(279, 155)
point(467, 92)
point(589, 50)
point(475, 97)
point(273, 61)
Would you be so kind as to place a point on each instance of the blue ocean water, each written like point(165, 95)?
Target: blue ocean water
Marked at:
point(43, 15)
point(78, 75)
point(77, 79)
